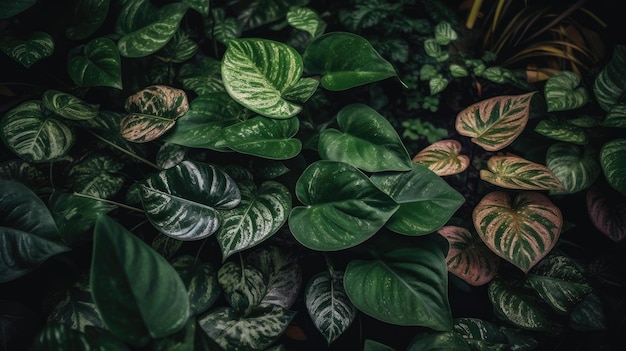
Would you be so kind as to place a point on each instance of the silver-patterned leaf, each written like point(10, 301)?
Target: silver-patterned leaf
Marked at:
point(169, 155)
point(179, 49)
point(37, 46)
point(304, 18)
point(243, 285)
point(96, 176)
point(200, 279)
point(563, 92)
point(282, 272)
point(576, 167)
point(68, 106)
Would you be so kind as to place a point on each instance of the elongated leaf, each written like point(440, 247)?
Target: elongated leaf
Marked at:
point(243, 285)
point(68, 106)
point(281, 270)
point(264, 137)
point(443, 157)
point(365, 140)
point(200, 279)
point(405, 285)
point(438, 341)
point(138, 293)
point(562, 131)
point(96, 176)
point(258, 73)
point(95, 64)
point(522, 230)
point(469, 258)
point(76, 308)
point(575, 167)
point(496, 122)
point(12, 8)
point(260, 214)
point(33, 133)
point(613, 162)
point(152, 111)
point(75, 215)
point(89, 15)
point(342, 207)
point(183, 201)
point(426, 201)
point(354, 61)
point(483, 335)
point(37, 46)
point(328, 305)
point(607, 212)
point(514, 172)
point(304, 18)
point(563, 92)
point(610, 83)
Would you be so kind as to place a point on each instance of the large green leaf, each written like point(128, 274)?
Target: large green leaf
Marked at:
point(200, 279)
point(406, 284)
point(576, 167)
point(152, 111)
point(483, 335)
point(36, 46)
point(328, 305)
point(514, 172)
point(260, 214)
point(138, 293)
point(354, 61)
point(607, 211)
point(76, 215)
point(443, 157)
point(12, 8)
point(426, 201)
point(183, 201)
point(33, 133)
point(95, 175)
point(562, 130)
point(253, 14)
point(365, 140)
point(259, 73)
point(342, 207)
point(282, 272)
point(264, 137)
point(613, 162)
point(95, 64)
point(89, 16)
point(432, 341)
point(76, 308)
point(610, 84)
point(563, 92)
point(496, 122)
point(522, 230)
point(243, 285)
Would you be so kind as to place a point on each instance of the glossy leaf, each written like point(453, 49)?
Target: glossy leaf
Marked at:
point(258, 73)
point(261, 212)
point(443, 157)
point(365, 140)
point(200, 279)
point(562, 131)
point(522, 230)
point(514, 172)
point(96, 175)
point(89, 15)
point(563, 92)
point(469, 258)
point(404, 285)
point(10, 9)
point(76, 308)
point(183, 201)
point(264, 137)
point(305, 19)
point(282, 272)
point(75, 216)
point(354, 61)
point(613, 162)
point(138, 293)
point(37, 46)
point(68, 106)
point(179, 49)
point(610, 84)
point(426, 201)
point(151, 112)
point(607, 213)
point(576, 167)
point(483, 335)
point(95, 64)
point(34, 134)
point(256, 14)
point(328, 305)
point(203, 75)
point(446, 340)
point(341, 207)
point(496, 122)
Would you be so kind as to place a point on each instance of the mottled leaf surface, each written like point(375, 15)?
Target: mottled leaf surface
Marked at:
point(282, 271)
point(563, 92)
point(575, 167)
point(443, 157)
point(36, 46)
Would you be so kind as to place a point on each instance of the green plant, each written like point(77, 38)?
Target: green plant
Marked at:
point(210, 176)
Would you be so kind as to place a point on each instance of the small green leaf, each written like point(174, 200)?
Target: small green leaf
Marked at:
point(562, 131)
point(304, 18)
point(243, 285)
point(203, 75)
point(610, 84)
point(444, 33)
point(37, 46)
point(435, 50)
point(264, 137)
point(563, 92)
point(96, 63)
point(253, 14)
point(68, 106)
point(613, 162)
point(96, 176)
point(89, 15)
point(76, 215)
point(576, 167)
point(179, 49)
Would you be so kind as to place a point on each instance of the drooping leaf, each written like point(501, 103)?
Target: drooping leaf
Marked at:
point(496, 122)
point(354, 61)
point(95, 64)
point(152, 111)
point(253, 14)
point(575, 167)
point(483, 335)
point(243, 285)
point(12, 8)
point(200, 279)
point(304, 18)
point(445, 340)
point(522, 230)
point(96, 176)
point(328, 305)
point(37, 46)
point(562, 131)
point(261, 212)
point(264, 137)
point(469, 258)
point(607, 212)
point(365, 140)
point(613, 162)
point(76, 215)
point(563, 92)
point(610, 83)
point(443, 157)
point(169, 155)
point(137, 292)
point(34, 134)
point(514, 172)
point(89, 15)
point(426, 201)
point(183, 201)
point(282, 272)
point(76, 308)
point(341, 207)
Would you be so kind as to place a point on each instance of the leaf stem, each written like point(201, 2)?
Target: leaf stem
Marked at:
point(126, 151)
point(109, 202)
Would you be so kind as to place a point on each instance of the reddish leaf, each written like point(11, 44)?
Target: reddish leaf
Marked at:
point(608, 213)
point(443, 157)
point(514, 172)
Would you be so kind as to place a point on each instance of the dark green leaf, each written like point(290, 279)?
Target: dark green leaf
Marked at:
point(12, 8)
point(576, 167)
point(253, 14)
point(438, 341)
point(201, 282)
point(96, 63)
point(37, 46)
point(89, 14)
point(76, 215)
point(264, 137)
point(613, 162)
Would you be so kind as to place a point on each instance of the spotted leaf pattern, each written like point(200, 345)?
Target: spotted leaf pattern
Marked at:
point(514, 172)
point(443, 157)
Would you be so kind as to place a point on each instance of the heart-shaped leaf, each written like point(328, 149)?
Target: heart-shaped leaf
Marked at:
point(426, 201)
point(613, 162)
point(469, 258)
point(34, 134)
point(76, 215)
point(258, 73)
point(260, 214)
point(191, 193)
point(575, 167)
point(282, 272)
point(514, 172)
point(200, 279)
point(89, 16)
point(96, 176)
point(151, 112)
point(328, 305)
point(443, 157)
point(37, 46)
point(203, 75)
point(76, 308)
point(354, 61)
point(496, 122)
point(563, 92)
point(366, 140)
point(68, 106)
point(305, 19)
point(138, 293)
point(95, 64)
point(610, 84)
point(607, 212)
point(522, 230)
point(562, 131)
point(342, 207)
point(264, 137)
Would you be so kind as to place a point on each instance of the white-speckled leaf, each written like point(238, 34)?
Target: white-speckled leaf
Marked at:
point(37, 46)
point(304, 18)
point(282, 272)
point(243, 285)
point(76, 307)
point(443, 157)
point(96, 176)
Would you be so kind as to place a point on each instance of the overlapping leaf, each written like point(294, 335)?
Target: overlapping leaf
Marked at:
point(514, 172)
point(75, 215)
point(496, 122)
point(179, 49)
point(562, 131)
point(607, 212)
point(304, 18)
point(68, 106)
point(203, 75)
point(76, 308)
point(243, 285)
point(37, 46)
point(613, 162)
point(575, 167)
point(89, 15)
point(96, 176)
point(563, 92)
point(282, 272)
point(264, 137)
point(96, 63)
point(256, 14)
point(200, 279)
point(610, 83)
point(443, 157)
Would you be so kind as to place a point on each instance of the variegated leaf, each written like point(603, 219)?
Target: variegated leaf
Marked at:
point(37, 46)
point(152, 111)
point(75, 215)
point(33, 133)
point(613, 162)
point(607, 211)
point(203, 75)
point(496, 122)
point(169, 155)
point(575, 167)
point(610, 84)
point(443, 157)
point(96, 176)
point(304, 18)
point(264, 137)
point(281, 270)
point(200, 279)
point(76, 308)
point(68, 106)
point(96, 63)
point(483, 335)
point(243, 285)
point(179, 49)
point(514, 172)
point(563, 92)
point(562, 131)
point(444, 33)
point(166, 246)
point(260, 214)
point(522, 230)
point(469, 258)
point(328, 304)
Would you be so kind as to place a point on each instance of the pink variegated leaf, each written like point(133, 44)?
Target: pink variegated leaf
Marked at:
point(443, 157)
point(607, 212)
point(514, 172)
